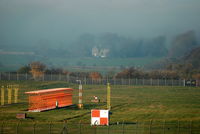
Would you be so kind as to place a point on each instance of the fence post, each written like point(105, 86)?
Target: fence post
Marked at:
point(150, 126)
point(95, 129)
point(85, 80)
point(151, 82)
point(2, 127)
point(64, 131)
point(51, 76)
point(34, 127)
point(190, 127)
point(17, 76)
point(50, 127)
point(59, 77)
point(178, 127)
point(164, 127)
point(136, 130)
point(17, 128)
point(123, 127)
point(184, 82)
point(42, 77)
point(197, 82)
point(136, 81)
point(67, 77)
point(9, 76)
point(108, 130)
point(80, 127)
point(143, 81)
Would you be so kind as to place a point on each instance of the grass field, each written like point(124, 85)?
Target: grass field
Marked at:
point(129, 103)
point(14, 62)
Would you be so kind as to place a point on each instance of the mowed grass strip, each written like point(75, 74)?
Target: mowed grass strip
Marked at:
point(129, 103)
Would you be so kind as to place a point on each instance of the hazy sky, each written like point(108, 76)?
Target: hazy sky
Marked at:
point(27, 21)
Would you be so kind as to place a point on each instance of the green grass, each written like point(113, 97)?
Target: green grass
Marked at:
point(14, 62)
point(90, 61)
point(129, 104)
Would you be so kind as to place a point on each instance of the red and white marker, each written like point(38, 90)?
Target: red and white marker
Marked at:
point(99, 117)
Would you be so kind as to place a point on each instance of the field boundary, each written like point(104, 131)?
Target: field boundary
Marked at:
point(99, 81)
point(144, 127)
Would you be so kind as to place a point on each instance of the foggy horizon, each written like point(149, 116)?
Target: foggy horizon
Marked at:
point(27, 22)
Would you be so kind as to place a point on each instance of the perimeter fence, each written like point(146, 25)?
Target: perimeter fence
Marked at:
point(100, 81)
point(145, 127)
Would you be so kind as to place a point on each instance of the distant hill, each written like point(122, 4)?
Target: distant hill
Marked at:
point(193, 57)
point(183, 44)
point(194, 54)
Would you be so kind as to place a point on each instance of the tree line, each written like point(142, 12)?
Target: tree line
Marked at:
point(178, 71)
point(120, 46)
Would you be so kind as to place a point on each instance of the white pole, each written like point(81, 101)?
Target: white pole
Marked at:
point(80, 94)
point(108, 96)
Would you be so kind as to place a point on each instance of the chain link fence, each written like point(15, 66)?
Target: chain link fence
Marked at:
point(145, 127)
point(89, 81)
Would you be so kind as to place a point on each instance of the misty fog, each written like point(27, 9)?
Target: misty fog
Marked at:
point(26, 22)
point(73, 28)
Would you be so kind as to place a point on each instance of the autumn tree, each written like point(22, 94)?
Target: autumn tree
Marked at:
point(130, 73)
point(95, 76)
point(185, 71)
point(55, 71)
point(24, 69)
point(79, 74)
point(183, 44)
point(163, 74)
point(37, 70)
point(133, 73)
point(196, 76)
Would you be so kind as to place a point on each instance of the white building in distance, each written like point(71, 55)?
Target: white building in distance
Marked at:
point(103, 53)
